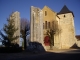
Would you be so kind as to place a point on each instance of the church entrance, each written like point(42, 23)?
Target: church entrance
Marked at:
point(47, 41)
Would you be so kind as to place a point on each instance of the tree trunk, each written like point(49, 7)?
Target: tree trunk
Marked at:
point(25, 40)
point(52, 42)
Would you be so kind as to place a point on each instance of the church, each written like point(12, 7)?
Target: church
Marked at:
point(42, 20)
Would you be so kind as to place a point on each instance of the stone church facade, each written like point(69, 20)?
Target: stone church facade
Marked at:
point(44, 19)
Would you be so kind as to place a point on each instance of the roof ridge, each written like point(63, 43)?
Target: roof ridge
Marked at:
point(49, 8)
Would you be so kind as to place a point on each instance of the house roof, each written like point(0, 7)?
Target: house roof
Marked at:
point(78, 37)
point(65, 10)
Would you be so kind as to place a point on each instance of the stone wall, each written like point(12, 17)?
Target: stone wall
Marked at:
point(67, 30)
point(57, 35)
point(48, 18)
point(65, 35)
point(50, 15)
point(16, 17)
point(36, 25)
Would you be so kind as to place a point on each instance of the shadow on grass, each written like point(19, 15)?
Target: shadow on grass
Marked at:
point(10, 49)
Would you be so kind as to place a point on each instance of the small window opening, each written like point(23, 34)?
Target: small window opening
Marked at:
point(45, 13)
point(64, 16)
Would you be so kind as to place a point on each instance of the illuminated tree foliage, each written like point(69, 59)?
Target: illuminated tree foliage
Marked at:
point(9, 30)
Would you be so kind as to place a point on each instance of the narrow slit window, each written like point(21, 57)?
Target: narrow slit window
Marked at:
point(45, 24)
point(48, 24)
point(45, 13)
point(53, 24)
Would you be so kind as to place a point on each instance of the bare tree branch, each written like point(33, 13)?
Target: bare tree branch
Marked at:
point(54, 29)
point(25, 27)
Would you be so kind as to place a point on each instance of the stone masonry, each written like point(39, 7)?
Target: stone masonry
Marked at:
point(16, 17)
point(67, 35)
point(36, 25)
point(64, 37)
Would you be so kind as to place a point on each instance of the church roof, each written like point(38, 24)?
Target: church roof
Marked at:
point(65, 10)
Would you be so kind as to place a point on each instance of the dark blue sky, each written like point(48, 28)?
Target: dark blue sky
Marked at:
point(23, 6)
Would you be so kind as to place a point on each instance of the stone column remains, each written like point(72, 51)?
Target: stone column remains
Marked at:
point(36, 25)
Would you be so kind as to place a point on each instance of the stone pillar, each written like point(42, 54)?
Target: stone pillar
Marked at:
point(31, 23)
point(36, 25)
point(41, 25)
point(16, 17)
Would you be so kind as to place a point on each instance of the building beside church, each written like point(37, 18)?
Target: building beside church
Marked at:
point(44, 19)
point(16, 17)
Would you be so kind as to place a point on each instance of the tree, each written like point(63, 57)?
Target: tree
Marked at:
point(4, 39)
point(9, 30)
point(25, 27)
point(52, 31)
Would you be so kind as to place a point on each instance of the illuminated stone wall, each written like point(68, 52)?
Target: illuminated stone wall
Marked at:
point(16, 17)
point(36, 25)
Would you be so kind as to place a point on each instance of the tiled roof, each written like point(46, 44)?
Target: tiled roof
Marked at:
point(65, 10)
point(78, 37)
